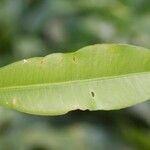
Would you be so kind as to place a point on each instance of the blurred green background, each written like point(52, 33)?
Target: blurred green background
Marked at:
point(39, 27)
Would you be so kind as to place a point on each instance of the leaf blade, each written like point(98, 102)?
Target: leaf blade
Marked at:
point(106, 92)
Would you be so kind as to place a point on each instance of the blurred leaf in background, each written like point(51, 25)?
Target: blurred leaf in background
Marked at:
point(39, 27)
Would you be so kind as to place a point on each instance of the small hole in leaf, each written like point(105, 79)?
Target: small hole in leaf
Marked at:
point(93, 94)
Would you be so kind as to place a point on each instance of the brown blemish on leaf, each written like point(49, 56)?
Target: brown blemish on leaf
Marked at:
point(74, 59)
point(93, 94)
point(41, 62)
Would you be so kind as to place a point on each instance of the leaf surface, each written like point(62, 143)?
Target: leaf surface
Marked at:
point(97, 77)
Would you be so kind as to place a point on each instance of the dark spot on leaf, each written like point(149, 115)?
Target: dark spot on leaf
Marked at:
point(93, 94)
point(74, 59)
point(41, 62)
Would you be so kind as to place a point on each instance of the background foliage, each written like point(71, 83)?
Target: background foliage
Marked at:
point(39, 27)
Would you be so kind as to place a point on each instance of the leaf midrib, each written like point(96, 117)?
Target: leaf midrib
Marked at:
point(72, 81)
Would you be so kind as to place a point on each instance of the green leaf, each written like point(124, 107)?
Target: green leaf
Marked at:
point(98, 77)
